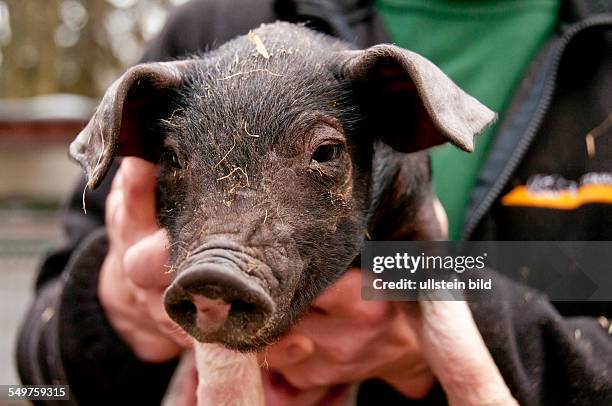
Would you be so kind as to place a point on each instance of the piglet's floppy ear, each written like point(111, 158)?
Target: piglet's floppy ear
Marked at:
point(413, 104)
point(122, 122)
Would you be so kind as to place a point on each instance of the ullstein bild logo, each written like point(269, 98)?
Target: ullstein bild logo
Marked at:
point(433, 284)
point(562, 270)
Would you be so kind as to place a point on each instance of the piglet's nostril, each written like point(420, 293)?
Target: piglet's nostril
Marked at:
point(211, 314)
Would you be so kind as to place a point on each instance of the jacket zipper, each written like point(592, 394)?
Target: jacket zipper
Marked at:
point(534, 125)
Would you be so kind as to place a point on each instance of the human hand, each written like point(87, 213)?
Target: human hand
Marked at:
point(134, 274)
point(410, 345)
point(345, 340)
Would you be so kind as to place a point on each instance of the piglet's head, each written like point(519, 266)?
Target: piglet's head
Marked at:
point(267, 150)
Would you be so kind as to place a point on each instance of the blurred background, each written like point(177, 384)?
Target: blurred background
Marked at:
point(56, 58)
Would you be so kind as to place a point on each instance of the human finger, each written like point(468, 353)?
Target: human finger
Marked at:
point(146, 261)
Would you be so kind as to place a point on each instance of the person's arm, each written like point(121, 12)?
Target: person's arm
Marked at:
point(67, 336)
point(545, 358)
point(38, 337)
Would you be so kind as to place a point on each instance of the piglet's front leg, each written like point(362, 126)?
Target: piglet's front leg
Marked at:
point(227, 377)
point(459, 357)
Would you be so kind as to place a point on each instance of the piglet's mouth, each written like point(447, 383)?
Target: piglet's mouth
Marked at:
point(222, 295)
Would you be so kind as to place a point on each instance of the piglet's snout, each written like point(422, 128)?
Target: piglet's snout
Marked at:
point(220, 296)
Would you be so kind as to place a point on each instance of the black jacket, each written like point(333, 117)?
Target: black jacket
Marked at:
point(536, 349)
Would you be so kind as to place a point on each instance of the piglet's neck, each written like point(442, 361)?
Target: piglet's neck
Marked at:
point(403, 202)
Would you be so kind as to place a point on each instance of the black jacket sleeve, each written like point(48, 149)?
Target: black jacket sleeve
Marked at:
point(545, 358)
point(66, 337)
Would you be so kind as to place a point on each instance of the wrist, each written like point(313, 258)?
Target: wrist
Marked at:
point(129, 317)
point(111, 301)
point(98, 364)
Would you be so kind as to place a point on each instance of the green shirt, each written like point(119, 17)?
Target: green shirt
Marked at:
point(484, 46)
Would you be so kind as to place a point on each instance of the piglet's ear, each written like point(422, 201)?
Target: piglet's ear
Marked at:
point(413, 105)
point(122, 124)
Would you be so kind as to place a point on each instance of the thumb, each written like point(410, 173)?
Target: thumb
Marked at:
point(146, 262)
point(138, 183)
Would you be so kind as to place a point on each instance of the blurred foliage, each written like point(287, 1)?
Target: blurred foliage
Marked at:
point(72, 46)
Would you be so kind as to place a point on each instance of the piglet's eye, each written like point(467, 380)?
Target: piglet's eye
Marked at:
point(173, 160)
point(327, 152)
